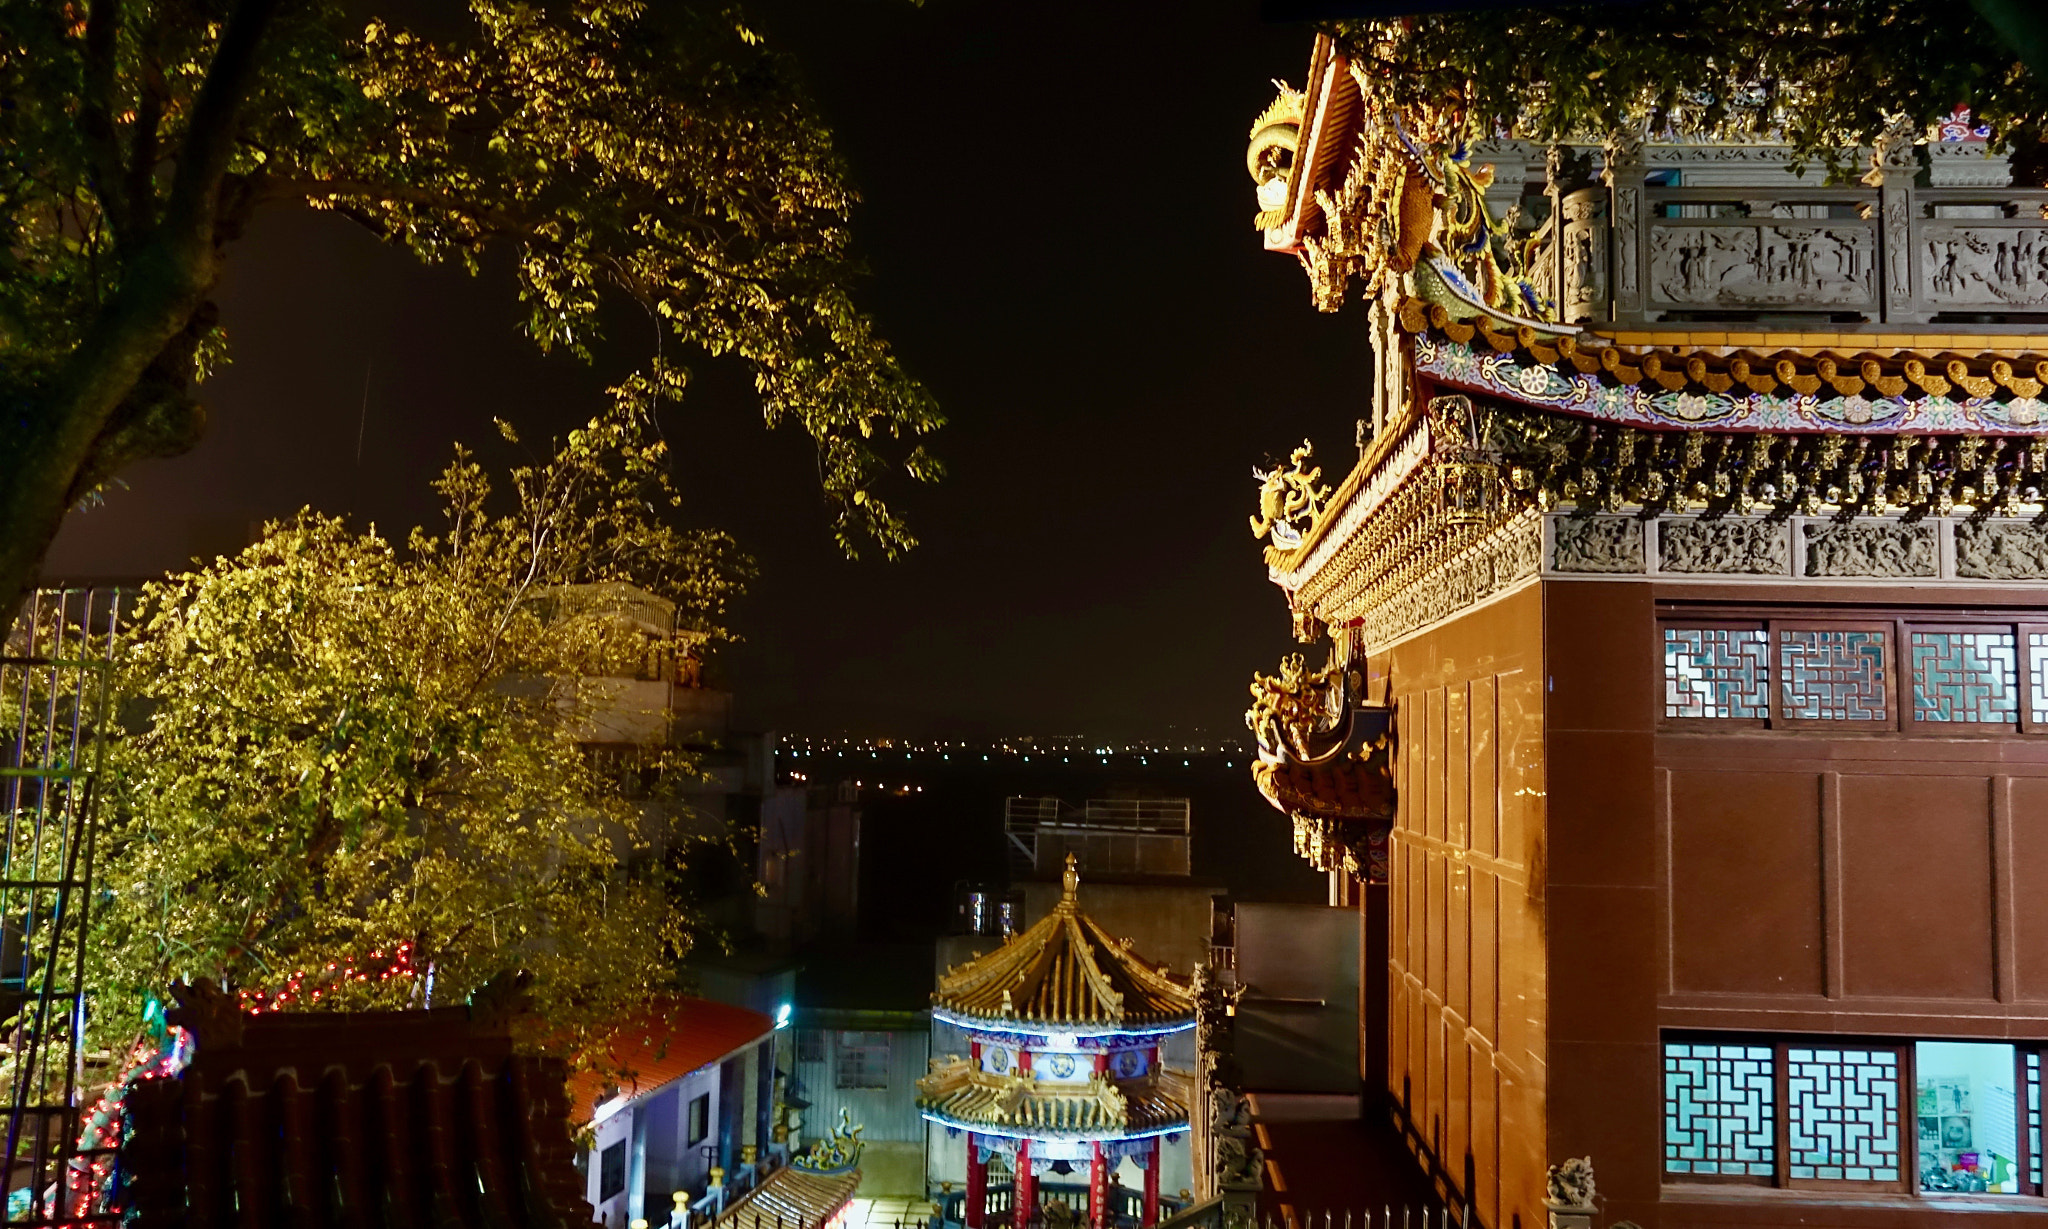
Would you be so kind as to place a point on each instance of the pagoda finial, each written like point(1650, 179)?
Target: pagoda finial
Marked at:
point(1070, 884)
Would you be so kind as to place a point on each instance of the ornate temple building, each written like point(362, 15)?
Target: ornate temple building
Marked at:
point(1063, 1074)
point(1677, 704)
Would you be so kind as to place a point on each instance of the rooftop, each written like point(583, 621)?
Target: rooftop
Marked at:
point(664, 1040)
point(1064, 971)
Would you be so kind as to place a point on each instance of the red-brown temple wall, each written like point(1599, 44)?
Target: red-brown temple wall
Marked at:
point(1465, 1064)
point(1764, 883)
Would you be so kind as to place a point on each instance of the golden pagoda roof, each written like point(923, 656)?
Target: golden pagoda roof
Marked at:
point(960, 1095)
point(1065, 972)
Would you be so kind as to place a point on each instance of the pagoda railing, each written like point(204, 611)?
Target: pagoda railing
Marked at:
point(1641, 253)
point(1059, 1203)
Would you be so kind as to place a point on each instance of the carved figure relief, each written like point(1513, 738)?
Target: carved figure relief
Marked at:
point(1983, 265)
point(1624, 171)
point(1584, 254)
point(1762, 264)
point(2001, 552)
point(1871, 549)
point(1752, 548)
point(1569, 1184)
point(1596, 544)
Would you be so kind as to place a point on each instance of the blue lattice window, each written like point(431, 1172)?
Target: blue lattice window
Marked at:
point(1842, 1114)
point(1716, 673)
point(1720, 1110)
point(2031, 1076)
point(1835, 674)
point(1723, 671)
point(1936, 1118)
point(1968, 675)
point(2037, 677)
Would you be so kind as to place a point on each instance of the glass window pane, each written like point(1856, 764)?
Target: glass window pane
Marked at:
point(1842, 1114)
point(1834, 674)
point(1718, 1109)
point(1968, 1116)
point(2037, 676)
point(1966, 675)
point(1715, 672)
point(2034, 1119)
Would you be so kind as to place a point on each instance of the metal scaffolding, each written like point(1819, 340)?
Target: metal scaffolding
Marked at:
point(56, 684)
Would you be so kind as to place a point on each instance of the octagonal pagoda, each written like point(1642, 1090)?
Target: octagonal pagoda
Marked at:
point(1064, 1026)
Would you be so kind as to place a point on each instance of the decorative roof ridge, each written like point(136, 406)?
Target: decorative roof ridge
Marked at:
point(1324, 71)
point(1147, 977)
point(998, 965)
point(1880, 386)
point(1110, 998)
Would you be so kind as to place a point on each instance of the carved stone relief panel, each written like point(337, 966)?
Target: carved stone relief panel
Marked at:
point(1985, 265)
point(1755, 548)
point(1994, 551)
point(1763, 265)
point(1596, 544)
point(1871, 548)
point(1583, 240)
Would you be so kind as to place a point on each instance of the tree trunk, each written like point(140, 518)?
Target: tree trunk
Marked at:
point(47, 460)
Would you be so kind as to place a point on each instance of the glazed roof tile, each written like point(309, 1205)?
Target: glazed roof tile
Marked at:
point(960, 1095)
point(792, 1197)
point(1065, 971)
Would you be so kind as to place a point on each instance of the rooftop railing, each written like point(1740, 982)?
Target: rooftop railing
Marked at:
point(1639, 253)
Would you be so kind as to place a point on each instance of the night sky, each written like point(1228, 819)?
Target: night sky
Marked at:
point(1058, 224)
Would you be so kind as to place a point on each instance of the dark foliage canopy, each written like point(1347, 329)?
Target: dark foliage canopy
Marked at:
point(659, 157)
point(1824, 75)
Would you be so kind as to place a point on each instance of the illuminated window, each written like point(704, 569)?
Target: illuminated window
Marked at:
point(1842, 1114)
point(1934, 1117)
point(1720, 1109)
point(1968, 1117)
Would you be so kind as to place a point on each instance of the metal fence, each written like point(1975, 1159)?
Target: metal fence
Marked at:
point(56, 669)
point(1133, 836)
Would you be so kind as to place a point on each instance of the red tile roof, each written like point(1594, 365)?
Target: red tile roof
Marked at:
point(383, 1120)
point(667, 1039)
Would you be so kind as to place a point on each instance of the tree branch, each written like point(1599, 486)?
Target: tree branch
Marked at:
point(96, 118)
point(49, 445)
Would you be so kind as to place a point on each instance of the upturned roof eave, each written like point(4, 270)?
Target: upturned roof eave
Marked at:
point(1171, 1126)
point(974, 1021)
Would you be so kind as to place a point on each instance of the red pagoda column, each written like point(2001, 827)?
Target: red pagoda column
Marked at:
point(1098, 1186)
point(1152, 1160)
point(1023, 1191)
point(977, 1185)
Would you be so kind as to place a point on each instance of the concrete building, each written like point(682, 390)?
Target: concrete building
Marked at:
point(697, 1096)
